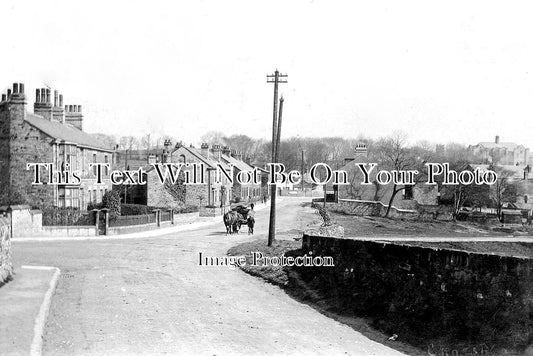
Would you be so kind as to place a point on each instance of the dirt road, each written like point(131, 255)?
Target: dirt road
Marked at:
point(150, 296)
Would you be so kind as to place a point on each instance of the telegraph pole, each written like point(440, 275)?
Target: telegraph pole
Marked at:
point(278, 132)
point(275, 78)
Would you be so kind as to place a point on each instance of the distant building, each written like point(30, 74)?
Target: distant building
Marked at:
point(215, 192)
point(53, 133)
point(245, 191)
point(501, 153)
point(410, 197)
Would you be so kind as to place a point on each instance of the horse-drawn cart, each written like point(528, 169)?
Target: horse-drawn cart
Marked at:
point(237, 216)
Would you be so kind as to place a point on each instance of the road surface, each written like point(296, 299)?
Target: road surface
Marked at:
point(149, 296)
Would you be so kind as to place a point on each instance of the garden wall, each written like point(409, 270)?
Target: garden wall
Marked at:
point(423, 294)
point(6, 264)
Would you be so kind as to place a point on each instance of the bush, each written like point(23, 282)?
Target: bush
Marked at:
point(135, 209)
point(186, 209)
point(92, 206)
point(111, 201)
point(53, 216)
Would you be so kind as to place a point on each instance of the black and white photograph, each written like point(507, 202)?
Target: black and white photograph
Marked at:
point(235, 177)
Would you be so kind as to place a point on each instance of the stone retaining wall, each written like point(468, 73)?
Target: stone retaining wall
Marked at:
point(426, 294)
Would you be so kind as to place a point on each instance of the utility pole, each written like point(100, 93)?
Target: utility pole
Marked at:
point(275, 78)
point(302, 171)
point(278, 132)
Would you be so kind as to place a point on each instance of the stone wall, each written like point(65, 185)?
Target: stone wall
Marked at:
point(426, 295)
point(6, 263)
point(68, 231)
point(25, 222)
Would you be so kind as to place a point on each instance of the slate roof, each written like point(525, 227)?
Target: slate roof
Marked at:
point(212, 163)
point(65, 132)
point(240, 165)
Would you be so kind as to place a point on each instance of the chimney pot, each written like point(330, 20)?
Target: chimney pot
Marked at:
point(47, 95)
point(497, 139)
point(15, 88)
point(61, 100)
point(3, 97)
point(56, 98)
point(79, 108)
point(37, 96)
point(8, 94)
point(21, 88)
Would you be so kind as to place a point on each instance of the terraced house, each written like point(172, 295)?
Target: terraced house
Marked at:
point(53, 133)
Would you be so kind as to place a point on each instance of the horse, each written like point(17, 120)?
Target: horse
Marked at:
point(232, 221)
point(250, 222)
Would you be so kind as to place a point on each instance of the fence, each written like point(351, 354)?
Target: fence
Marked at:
point(130, 220)
point(166, 216)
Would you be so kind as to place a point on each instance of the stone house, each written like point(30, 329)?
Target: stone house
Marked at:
point(521, 177)
point(53, 133)
point(245, 191)
point(217, 190)
point(411, 197)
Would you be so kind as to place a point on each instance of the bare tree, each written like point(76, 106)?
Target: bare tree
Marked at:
point(393, 153)
point(505, 190)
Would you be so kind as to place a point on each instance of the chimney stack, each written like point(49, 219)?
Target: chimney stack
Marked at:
point(226, 151)
point(360, 152)
point(216, 152)
point(205, 150)
point(74, 116)
point(497, 140)
point(42, 105)
point(15, 96)
point(13, 106)
point(58, 113)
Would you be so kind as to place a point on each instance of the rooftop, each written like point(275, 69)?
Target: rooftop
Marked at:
point(65, 132)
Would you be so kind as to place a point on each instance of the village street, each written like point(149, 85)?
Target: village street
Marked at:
point(149, 296)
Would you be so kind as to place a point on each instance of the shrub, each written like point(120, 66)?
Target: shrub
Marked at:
point(53, 215)
point(111, 201)
point(135, 209)
point(187, 209)
point(92, 206)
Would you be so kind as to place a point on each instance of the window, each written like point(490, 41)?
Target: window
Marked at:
point(94, 161)
point(68, 197)
point(408, 192)
point(525, 199)
point(106, 169)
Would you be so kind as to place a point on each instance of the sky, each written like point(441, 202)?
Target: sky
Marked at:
point(440, 71)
